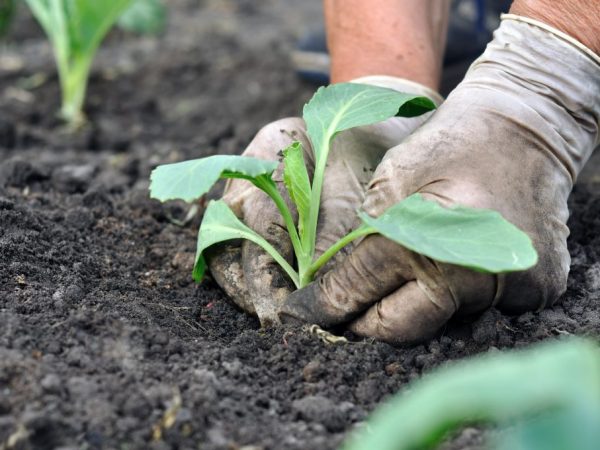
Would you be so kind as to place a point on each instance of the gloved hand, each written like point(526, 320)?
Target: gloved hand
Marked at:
point(249, 275)
point(511, 137)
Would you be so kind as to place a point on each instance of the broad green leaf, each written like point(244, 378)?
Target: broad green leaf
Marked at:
point(90, 20)
point(78, 25)
point(572, 428)
point(295, 177)
point(342, 106)
point(480, 239)
point(502, 389)
point(144, 17)
point(189, 180)
point(220, 224)
point(7, 10)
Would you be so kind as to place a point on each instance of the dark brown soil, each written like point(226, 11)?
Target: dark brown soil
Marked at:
point(104, 338)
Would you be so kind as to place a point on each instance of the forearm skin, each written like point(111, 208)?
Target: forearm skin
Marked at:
point(401, 38)
point(577, 18)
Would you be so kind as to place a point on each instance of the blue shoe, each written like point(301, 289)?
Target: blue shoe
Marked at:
point(311, 58)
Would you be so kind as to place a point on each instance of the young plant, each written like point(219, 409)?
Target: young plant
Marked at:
point(144, 17)
point(543, 398)
point(475, 238)
point(7, 12)
point(75, 29)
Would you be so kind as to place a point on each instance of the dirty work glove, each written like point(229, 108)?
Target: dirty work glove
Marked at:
point(511, 137)
point(249, 276)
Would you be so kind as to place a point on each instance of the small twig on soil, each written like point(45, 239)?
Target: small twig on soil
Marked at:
point(192, 212)
point(285, 336)
point(19, 435)
point(325, 336)
point(175, 310)
point(168, 418)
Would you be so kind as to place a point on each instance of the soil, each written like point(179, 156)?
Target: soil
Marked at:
point(105, 341)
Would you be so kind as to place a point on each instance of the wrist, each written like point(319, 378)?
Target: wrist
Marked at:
point(400, 38)
point(578, 19)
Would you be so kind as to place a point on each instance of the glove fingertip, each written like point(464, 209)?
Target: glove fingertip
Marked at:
point(305, 306)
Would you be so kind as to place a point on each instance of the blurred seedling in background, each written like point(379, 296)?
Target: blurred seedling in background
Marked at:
point(76, 29)
point(7, 11)
point(144, 17)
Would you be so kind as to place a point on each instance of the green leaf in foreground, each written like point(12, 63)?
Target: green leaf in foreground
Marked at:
point(559, 381)
point(480, 239)
point(220, 224)
point(342, 106)
point(144, 17)
point(295, 177)
point(189, 180)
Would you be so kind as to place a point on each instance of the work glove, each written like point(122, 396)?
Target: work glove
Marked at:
point(511, 137)
point(248, 275)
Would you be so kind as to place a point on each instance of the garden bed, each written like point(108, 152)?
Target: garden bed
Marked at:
point(104, 337)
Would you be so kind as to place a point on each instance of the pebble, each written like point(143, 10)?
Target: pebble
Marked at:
point(319, 409)
point(312, 371)
point(484, 329)
point(73, 178)
point(79, 218)
point(393, 368)
point(592, 277)
point(51, 383)
point(367, 390)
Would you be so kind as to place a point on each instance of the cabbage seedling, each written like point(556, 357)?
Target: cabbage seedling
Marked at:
point(7, 12)
point(476, 238)
point(544, 398)
point(75, 29)
point(144, 17)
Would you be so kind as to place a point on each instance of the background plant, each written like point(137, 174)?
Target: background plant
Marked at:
point(75, 29)
point(476, 238)
point(543, 398)
point(144, 17)
point(7, 11)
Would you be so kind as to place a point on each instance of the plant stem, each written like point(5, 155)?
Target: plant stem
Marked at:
point(363, 230)
point(310, 234)
point(302, 256)
point(309, 237)
point(73, 80)
point(279, 259)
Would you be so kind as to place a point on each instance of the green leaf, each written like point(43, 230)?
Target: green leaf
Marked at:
point(144, 17)
point(342, 106)
point(480, 239)
point(89, 21)
point(295, 177)
point(497, 389)
point(7, 10)
point(220, 224)
point(572, 428)
point(189, 180)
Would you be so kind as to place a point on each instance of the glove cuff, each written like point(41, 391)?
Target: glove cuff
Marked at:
point(401, 85)
point(565, 37)
point(542, 70)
